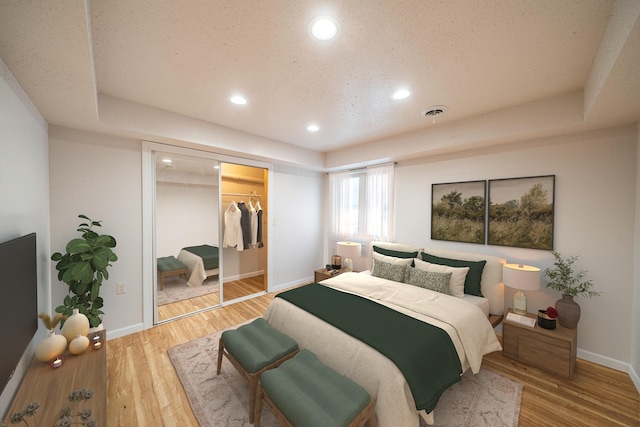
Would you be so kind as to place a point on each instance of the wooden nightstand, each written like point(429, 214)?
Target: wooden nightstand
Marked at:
point(322, 274)
point(551, 350)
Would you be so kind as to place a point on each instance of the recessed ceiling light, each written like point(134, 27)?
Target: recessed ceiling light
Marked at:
point(323, 28)
point(238, 100)
point(166, 160)
point(401, 94)
point(313, 128)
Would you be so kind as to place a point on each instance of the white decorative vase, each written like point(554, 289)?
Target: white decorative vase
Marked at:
point(51, 347)
point(79, 344)
point(76, 324)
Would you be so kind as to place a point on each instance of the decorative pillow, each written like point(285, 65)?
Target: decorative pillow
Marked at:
point(472, 281)
point(395, 254)
point(438, 282)
point(389, 271)
point(458, 275)
point(391, 259)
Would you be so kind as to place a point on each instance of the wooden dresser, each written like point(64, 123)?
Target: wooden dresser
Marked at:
point(51, 387)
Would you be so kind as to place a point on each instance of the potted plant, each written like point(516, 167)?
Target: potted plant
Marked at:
point(562, 278)
point(83, 268)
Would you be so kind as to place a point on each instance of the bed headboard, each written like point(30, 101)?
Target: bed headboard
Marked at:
point(491, 282)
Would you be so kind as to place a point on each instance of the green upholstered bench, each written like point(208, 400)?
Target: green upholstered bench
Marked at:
point(170, 266)
point(252, 349)
point(303, 392)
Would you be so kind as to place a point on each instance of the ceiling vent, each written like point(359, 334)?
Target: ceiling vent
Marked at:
point(434, 111)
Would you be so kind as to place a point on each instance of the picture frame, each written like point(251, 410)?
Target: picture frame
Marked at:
point(458, 211)
point(521, 212)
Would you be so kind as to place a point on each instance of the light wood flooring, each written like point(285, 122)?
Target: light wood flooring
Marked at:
point(232, 290)
point(144, 390)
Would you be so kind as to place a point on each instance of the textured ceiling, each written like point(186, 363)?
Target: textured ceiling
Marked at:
point(188, 57)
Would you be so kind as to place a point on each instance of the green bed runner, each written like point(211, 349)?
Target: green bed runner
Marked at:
point(423, 353)
point(208, 253)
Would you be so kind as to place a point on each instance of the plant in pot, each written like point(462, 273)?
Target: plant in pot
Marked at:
point(571, 284)
point(83, 268)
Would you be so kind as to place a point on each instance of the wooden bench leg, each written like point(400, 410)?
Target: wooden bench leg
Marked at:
point(220, 351)
point(259, 397)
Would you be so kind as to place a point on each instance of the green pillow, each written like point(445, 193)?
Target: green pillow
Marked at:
point(397, 254)
point(388, 271)
point(432, 280)
point(474, 276)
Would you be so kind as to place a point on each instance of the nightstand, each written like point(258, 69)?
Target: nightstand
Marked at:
point(552, 350)
point(323, 273)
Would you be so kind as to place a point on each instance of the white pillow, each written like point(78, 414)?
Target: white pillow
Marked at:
point(458, 275)
point(391, 259)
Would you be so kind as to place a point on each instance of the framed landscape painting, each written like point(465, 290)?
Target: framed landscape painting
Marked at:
point(521, 212)
point(458, 211)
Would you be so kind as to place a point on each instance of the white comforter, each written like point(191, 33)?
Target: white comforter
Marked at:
point(196, 267)
point(470, 332)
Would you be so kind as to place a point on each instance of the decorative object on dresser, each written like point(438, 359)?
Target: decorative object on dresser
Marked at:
point(348, 251)
point(322, 273)
point(523, 278)
point(336, 262)
point(53, 345)
point(75, 325)
point(562, 278)
point(83, 268)
point(547, 318)
point(551, 350)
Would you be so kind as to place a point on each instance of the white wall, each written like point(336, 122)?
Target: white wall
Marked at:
point(24, 194)
point(186, 215)
point(595, 201)
point(100, 176)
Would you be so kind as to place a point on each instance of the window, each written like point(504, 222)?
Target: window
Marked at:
point(361, 203)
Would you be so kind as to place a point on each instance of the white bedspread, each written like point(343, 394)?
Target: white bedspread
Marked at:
point(196, 267)
point(470, 332)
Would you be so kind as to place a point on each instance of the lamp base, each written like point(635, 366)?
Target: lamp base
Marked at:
point(520, 303)
point(348, 264)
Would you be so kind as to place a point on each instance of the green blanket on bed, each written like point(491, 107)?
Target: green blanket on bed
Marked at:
point(423, 353)
point(208, 253)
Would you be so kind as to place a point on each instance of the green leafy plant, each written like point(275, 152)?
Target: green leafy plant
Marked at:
point(83, 268)
point(562, 278)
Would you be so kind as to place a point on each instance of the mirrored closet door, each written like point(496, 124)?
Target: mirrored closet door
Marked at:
point(187, 234)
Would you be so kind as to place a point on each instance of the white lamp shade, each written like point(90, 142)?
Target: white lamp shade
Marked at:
point(349, 249)
point(523, 277)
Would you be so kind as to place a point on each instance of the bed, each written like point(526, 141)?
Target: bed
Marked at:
point(202, 261)
point(464, 319)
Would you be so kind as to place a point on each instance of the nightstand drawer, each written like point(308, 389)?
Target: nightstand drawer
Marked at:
point(550, 354)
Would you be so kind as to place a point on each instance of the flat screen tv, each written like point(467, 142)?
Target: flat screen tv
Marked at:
point(19, 298)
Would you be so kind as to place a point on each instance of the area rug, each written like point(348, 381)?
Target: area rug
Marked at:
point(176, 289)
point(485, 399)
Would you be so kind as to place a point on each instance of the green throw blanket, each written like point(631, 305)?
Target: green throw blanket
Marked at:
point(208, 253)
point(423, 353)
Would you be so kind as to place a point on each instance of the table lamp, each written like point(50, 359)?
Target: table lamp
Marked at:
point(349, 250)
point(522, 278)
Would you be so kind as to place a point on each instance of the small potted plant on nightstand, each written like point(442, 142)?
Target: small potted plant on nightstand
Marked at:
point(562, 278)
point(83, 268)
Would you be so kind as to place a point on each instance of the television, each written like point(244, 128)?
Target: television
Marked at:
point(19, 296)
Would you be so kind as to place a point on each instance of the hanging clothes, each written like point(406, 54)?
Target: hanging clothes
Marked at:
point(259, 214)
point(254, 225)
point(245, 224)
point(232, 228)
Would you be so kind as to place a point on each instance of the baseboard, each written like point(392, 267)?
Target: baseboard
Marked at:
point(117, 333)
point(603, 360)
point(283, 286)
point(243, 276)
point(634, 377)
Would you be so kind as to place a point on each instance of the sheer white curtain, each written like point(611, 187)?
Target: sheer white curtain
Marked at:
point(361, 207)
point(379, 203)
